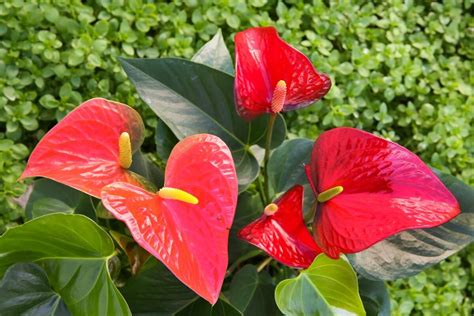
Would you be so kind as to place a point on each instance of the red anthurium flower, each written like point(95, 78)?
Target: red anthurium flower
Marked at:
point(271, 75)
point(186, 224)
point(90, 148)
point(282, 233)
point(369, 188)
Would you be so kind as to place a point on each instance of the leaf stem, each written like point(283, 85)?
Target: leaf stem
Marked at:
point(264, 264)
point(260, 190)
point(245, 257)
point(268, 143)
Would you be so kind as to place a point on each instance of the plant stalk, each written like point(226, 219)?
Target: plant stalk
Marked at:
point(264, 264)
point(268, 143)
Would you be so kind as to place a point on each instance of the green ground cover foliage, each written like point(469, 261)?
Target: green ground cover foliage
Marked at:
point(402, 69)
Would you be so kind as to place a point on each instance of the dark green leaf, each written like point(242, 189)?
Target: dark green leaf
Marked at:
point(146, 168)
point(156, 291)
point(46, 206)
point(412, 251)
point(327, 287)
point(165, 140)
point(201, 100)
point(375, 297)
point(249, 207)
point(202, 308)
point(286, 164)
point(286, 168)
point(74, 252)
point(253, 293)
point(48, 196)
point(25, 290)
point(215, 54)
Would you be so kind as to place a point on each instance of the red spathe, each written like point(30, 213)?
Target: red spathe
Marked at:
point(191, 240)
point(82, 150)
point(387, 189)
point(262, 59)
point(284, 235)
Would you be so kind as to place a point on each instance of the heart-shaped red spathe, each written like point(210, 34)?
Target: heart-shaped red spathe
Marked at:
point(191, 240)
point(386, 189)
point(283, 234)
point(82, 150)
point(262, 59)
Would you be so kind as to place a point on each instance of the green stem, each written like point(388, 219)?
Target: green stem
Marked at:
point(268, 143)
point(264, 264)
point(247, 256)
point(260, 190)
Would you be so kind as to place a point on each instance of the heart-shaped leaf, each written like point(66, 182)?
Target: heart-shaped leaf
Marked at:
point(325, 288)
point(25, 290)
point(215, 54)
point(252, 293)
point(155, 290)
point(74, 252)
point(190, 239)
point(375, 297)
point(201, 100)
point(82, 150)
point(409, 252)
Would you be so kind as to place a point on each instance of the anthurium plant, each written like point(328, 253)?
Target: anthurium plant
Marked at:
point(227, 216)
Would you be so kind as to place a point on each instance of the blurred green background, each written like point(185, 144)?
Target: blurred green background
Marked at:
point(402, 69)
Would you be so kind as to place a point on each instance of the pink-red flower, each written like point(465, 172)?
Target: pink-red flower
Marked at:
point(186, 224)
point(266, 66)
point(90, 148)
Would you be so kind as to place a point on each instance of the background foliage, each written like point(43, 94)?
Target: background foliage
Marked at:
point(402, 69)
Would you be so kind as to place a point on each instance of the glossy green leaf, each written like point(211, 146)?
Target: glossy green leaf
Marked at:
point(201, 100)
point(156, 291)
point(327, 287)
point(409, 252)
point(286, 168)
point(74, 252)
point(215, 54)
point(25, 290)
point(375, 297)
point(201, 307)
point(48, 196)
point(252, 293)
point(46, 206)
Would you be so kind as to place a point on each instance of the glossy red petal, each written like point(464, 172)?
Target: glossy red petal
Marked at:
point(284, 235)
point(82, 151)
point(191, 240)
point(387, 189)
point(262, 59)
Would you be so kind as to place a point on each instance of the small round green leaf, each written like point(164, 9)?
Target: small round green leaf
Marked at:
point(327, 287)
